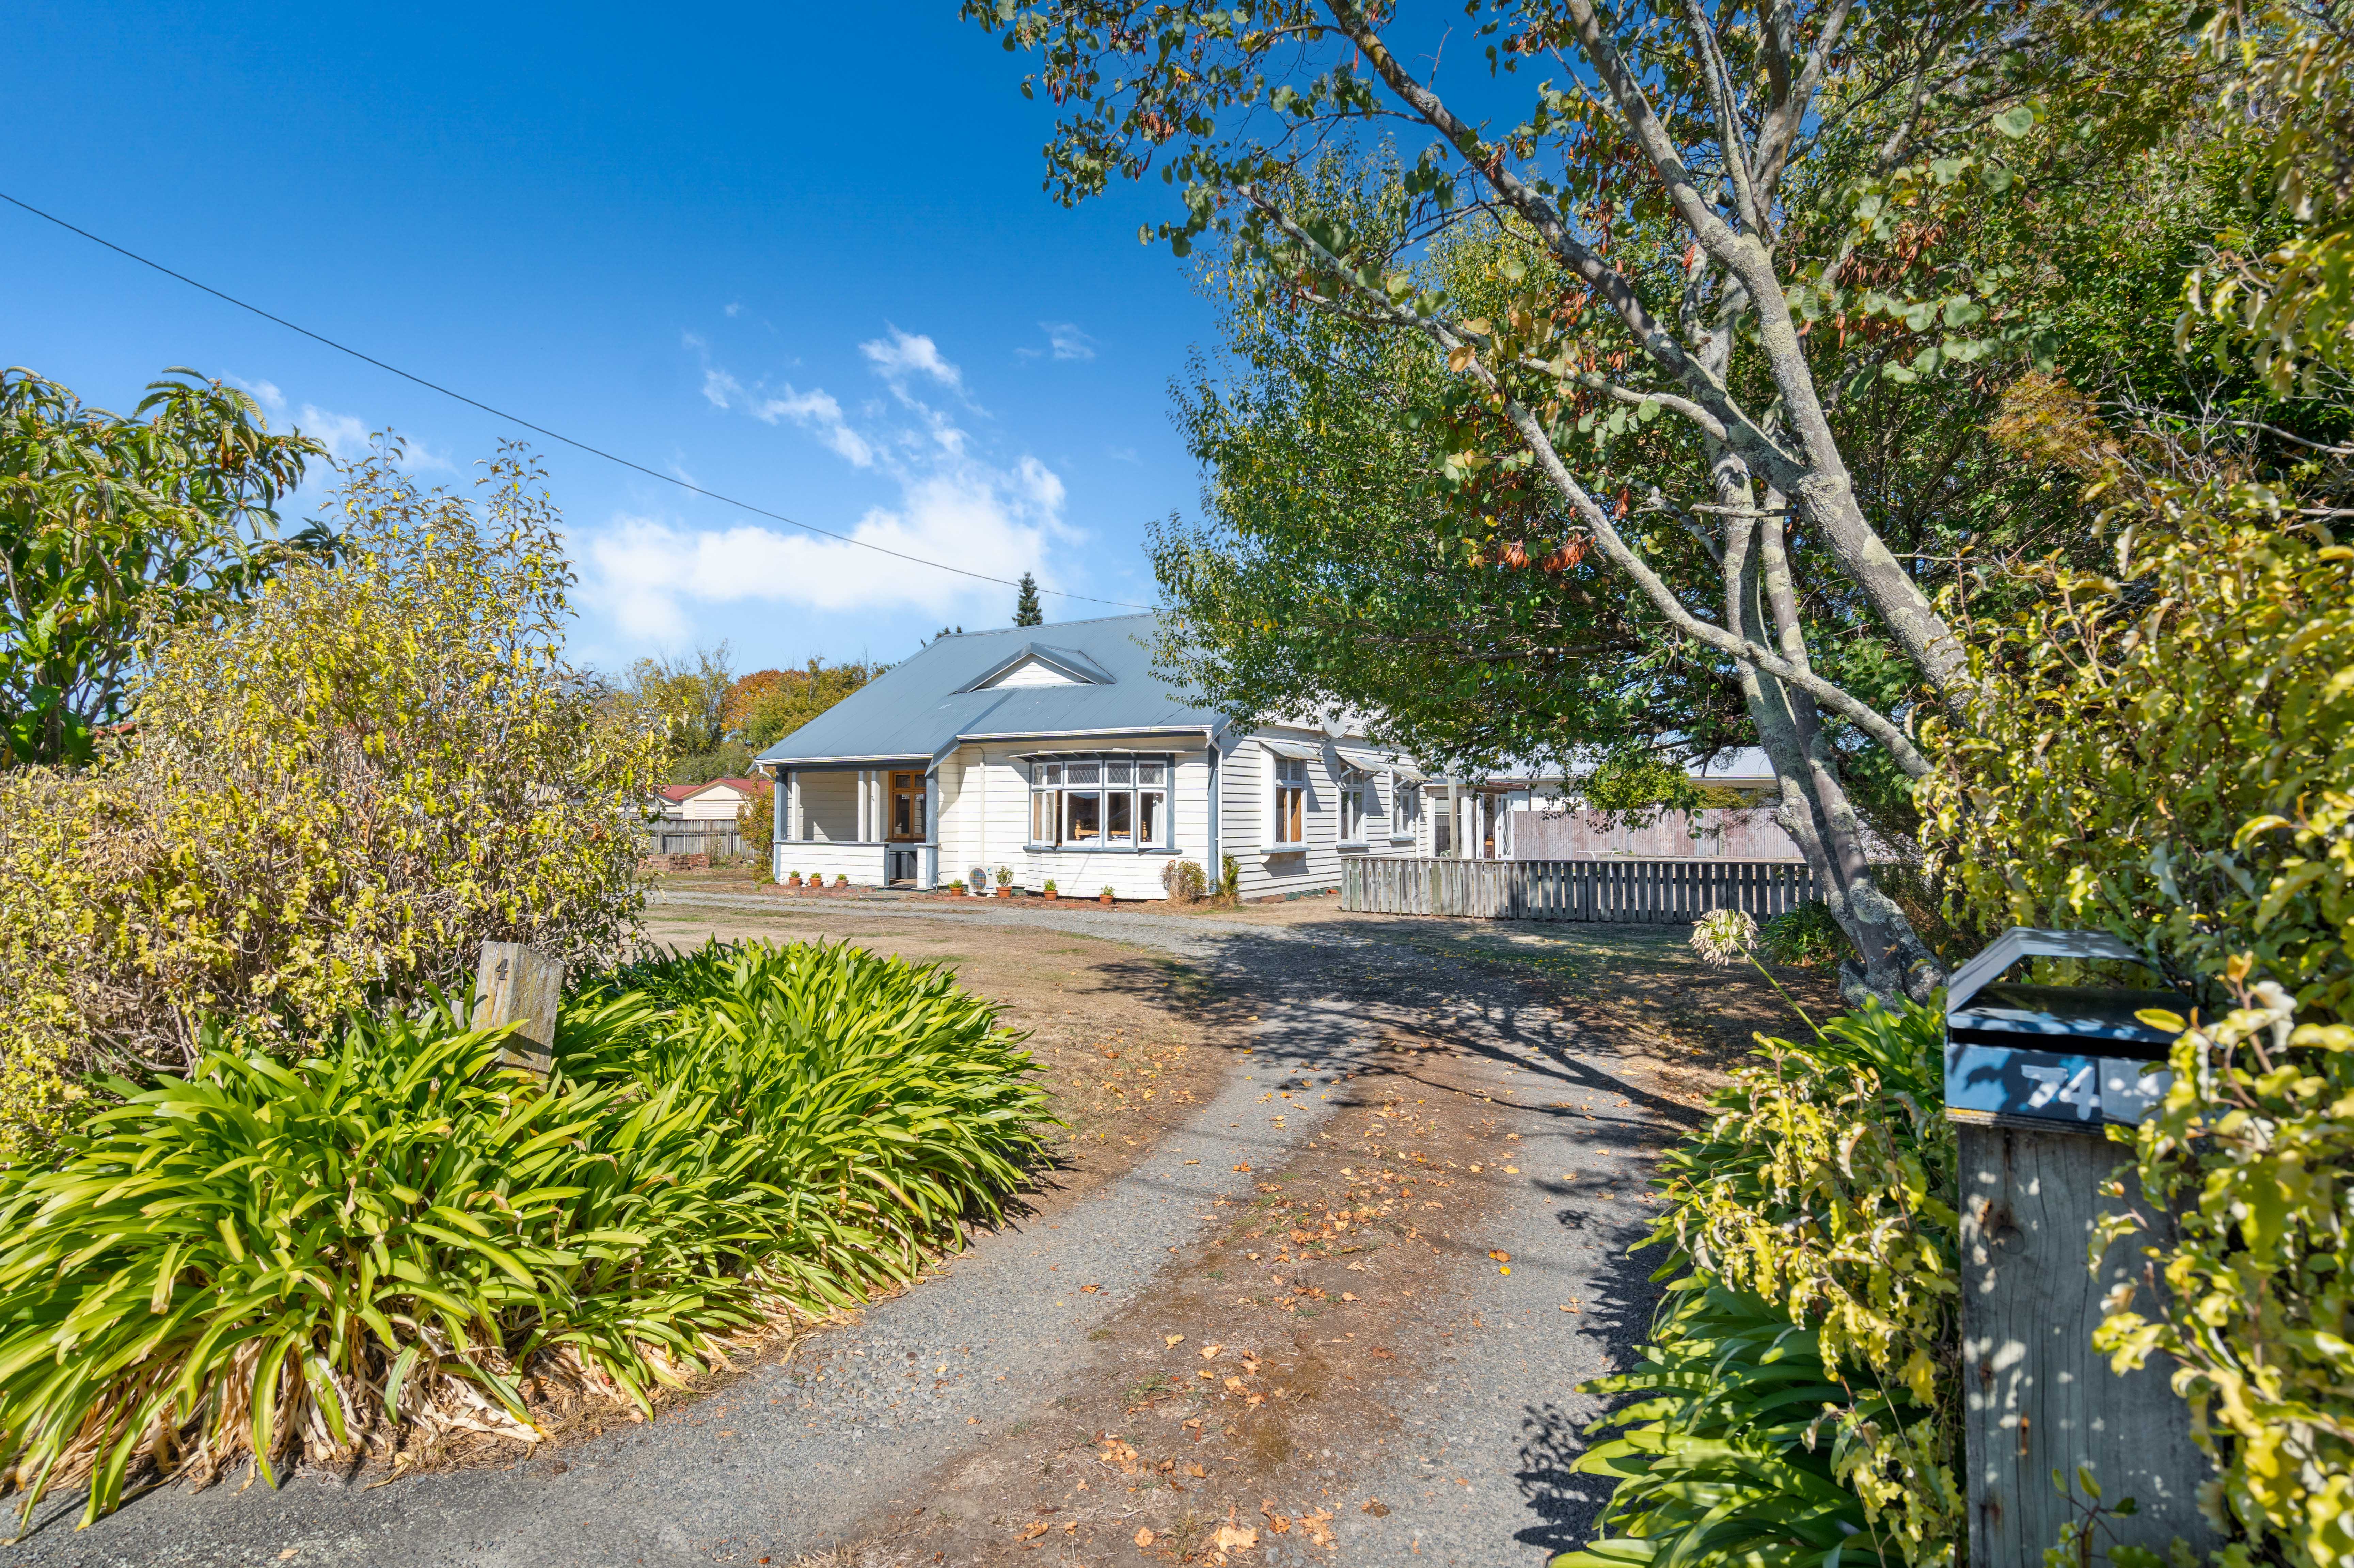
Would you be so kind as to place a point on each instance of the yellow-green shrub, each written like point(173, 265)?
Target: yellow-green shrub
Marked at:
point(333, 794)
point(1824, 1187)
point(2167, 752)
point(2252, 1151)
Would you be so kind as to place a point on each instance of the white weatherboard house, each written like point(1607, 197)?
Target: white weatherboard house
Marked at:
point(1056, 752)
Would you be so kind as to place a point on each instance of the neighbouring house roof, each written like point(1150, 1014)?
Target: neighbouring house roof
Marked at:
point(680, 794)
point(1077, 677)
point(1743, 765)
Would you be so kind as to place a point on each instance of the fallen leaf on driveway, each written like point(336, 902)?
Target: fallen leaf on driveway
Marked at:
point(1196, 1471)
point(1089, 1290)
point(1276, 1524)
point(1348, 1296)
point(1143, 1537)
point(1319, 1526)
point(1034, 1531)
point(1244, 1167)
point(1232, 1382)
point(1378, 1508)
point(1172, 1341)
point(1210, 1353)
point(1234, 1538)
point(1501, 1257)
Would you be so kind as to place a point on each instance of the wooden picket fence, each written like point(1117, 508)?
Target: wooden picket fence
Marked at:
point(719, 838)
point(1648, 892)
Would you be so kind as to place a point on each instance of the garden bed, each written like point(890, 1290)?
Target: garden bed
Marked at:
point(368, 1254)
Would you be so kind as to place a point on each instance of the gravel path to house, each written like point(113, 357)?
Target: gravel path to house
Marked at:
point(857, 1428)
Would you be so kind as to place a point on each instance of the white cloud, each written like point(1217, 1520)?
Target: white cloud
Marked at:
point(649, 571)
point(953, 505)
point(265, 392)
point(1066, 341)
point(905, 354)
point(816, 410)
point(347, 437)
point(736, 308)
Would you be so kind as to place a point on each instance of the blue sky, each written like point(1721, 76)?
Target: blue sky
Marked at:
point(799, 259)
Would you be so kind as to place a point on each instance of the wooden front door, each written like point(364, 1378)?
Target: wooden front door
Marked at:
point(907, 822)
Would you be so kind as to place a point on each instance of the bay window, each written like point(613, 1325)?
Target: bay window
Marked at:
point(1099, 800)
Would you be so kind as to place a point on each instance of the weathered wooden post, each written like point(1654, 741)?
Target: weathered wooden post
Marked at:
point(520, 982)
point(2034, 1075)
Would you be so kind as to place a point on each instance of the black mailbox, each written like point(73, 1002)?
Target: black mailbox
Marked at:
point(2052, 1054)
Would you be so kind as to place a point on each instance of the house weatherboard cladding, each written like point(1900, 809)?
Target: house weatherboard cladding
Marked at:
point(1057, 752)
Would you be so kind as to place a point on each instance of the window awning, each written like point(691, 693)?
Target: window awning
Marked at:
point(1298, 750)
point(1363, 758)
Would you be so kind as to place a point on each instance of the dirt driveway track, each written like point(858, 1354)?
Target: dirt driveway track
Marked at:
point(1427, 1418)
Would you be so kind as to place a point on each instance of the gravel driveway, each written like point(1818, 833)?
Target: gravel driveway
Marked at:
point(797, 1454)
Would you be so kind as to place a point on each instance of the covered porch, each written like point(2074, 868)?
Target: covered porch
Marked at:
point(876, 825)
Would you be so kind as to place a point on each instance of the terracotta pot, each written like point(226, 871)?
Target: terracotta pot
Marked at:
point(1105, 899)
point(1005, 890)
point(1050, 895)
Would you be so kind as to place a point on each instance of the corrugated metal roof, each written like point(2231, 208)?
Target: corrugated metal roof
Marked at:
point(916, 709)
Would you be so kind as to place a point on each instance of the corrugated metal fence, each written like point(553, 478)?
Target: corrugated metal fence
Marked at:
point(1651, 892)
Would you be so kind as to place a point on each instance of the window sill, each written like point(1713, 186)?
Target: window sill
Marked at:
point(1283, 849)
point(1097, 849)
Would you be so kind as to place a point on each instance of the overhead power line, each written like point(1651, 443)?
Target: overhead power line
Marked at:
point(542, 430)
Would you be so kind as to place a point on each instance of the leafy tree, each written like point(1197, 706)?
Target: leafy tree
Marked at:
point(111, 527)
point(2286, 285)
point(796, 696)
point(1327, 573)
point(1025, 604)
point(331, 795)
point(1696, 196)
point(687, 701)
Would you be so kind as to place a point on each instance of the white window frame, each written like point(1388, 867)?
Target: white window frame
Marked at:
point(1360, 795)
point(1287, 776)
point(1118, 778)
point(1406, 809)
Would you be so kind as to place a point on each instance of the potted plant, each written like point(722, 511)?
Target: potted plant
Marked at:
point(793, 880)
point(955, 886)
point(1005, 882)
point(1106, 897)
point(1050, 890)
point(841, 881)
